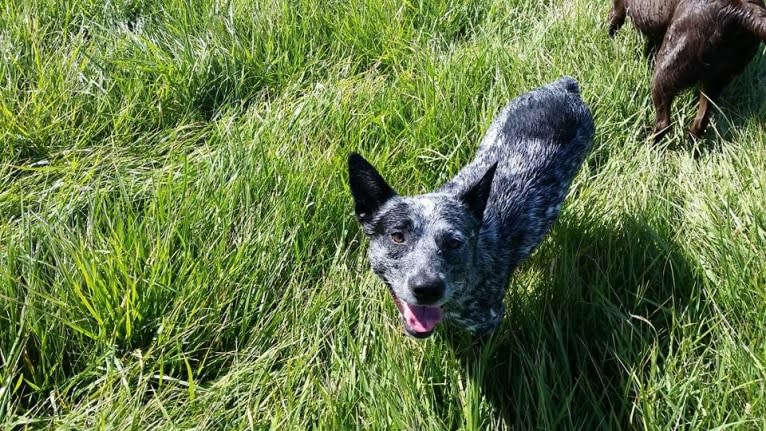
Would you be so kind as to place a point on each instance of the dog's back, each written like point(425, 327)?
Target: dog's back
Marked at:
point(539, 142)
point(653, 17)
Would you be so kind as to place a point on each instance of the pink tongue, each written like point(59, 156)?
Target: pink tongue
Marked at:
point(421, 319)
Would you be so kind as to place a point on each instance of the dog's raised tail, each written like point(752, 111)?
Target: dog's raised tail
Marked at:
point(569, 84)
point(751, 14)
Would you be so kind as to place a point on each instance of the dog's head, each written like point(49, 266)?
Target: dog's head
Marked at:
point(424, 246)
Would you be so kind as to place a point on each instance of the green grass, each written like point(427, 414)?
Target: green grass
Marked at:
point(178, 251)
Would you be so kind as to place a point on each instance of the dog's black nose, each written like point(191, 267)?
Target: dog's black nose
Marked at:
point(427, 289)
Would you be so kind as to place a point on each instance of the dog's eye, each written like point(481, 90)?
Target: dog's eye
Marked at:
point(454, 243)
point(397, 237)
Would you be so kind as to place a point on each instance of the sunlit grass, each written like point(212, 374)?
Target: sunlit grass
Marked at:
point(177, 245)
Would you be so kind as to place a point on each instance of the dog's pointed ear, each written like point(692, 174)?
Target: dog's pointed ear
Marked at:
point(475, 198)
point(369, 189)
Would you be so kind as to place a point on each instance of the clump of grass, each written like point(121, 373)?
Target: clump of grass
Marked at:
point(177, 248)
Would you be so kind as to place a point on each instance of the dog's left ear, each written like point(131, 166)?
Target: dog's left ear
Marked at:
point(369, 189)
point(476, 197)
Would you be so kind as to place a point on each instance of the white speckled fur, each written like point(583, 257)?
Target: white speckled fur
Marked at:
point(537, 143)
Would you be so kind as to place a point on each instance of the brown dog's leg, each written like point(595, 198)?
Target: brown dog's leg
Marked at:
point(711, 88)
point(662, 96)
point(703, 115)
point(616, 16)
point(677, 68)
point(733, 57)
point(667, 82)
point(710, 91)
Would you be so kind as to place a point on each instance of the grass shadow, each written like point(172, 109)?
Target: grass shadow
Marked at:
point(570, 354)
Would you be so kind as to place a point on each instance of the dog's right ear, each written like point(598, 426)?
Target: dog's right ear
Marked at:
point(369, 189)
point(476, 197)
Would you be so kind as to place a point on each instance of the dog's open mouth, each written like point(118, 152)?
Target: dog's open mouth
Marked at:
point(419, 320)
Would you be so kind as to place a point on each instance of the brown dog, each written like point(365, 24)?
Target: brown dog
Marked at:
point(700, 41)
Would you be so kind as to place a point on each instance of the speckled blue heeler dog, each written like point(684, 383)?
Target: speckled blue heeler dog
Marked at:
point(450, 254)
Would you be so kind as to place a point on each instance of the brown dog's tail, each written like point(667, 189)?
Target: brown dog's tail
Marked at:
point(751, 15)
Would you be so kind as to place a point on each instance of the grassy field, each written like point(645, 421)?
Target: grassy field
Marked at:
point(178, 251)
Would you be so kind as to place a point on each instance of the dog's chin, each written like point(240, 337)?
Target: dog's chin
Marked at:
point(416, 334)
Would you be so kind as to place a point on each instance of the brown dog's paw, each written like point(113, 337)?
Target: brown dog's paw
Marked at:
point(613, 28)
point(659, 131)
point(616, 21)
point(697, 132)
point(645, 132)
